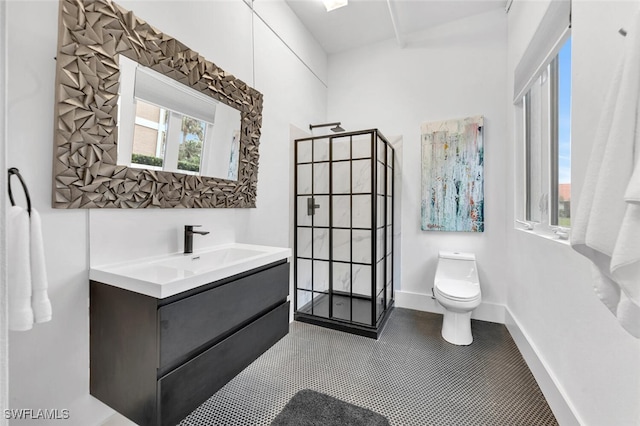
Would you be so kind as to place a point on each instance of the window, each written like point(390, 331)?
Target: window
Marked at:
point(542, 94)
point(167, 140)
point(150, 131)
point(166, 125)
point(547, 139)
point(562, 181)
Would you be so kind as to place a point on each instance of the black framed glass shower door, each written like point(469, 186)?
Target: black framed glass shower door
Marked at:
point(343, 230)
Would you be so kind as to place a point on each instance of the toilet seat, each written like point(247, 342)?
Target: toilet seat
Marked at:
point(459, 290)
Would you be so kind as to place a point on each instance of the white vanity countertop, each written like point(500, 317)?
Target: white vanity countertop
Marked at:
point(164, 276)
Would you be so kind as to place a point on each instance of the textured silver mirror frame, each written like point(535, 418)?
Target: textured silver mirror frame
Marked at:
point(85, 175)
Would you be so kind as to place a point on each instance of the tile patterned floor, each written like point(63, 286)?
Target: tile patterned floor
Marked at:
point(410, 375)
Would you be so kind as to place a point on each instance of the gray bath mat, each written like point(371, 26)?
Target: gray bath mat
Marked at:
point(310, 408)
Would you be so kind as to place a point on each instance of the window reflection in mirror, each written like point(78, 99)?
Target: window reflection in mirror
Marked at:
point(165, 125)
point(154, 126)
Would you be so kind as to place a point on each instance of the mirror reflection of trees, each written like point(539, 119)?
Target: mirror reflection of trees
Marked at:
point(192, 140)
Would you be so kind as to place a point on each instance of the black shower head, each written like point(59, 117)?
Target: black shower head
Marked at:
point(336, 126)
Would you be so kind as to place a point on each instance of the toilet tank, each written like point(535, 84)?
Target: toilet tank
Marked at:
point(456, 255)
point(457, 266)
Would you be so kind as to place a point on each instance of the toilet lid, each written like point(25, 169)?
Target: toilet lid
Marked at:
point(458, 289)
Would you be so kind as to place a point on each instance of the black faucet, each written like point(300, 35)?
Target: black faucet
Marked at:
point(188, 237)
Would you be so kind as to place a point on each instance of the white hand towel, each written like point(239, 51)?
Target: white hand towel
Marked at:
point(632, 194)
point(39, 284)
point(19, 270)
point(625, 260)
point(629, 315)
point(606, 227)
point(606, 289)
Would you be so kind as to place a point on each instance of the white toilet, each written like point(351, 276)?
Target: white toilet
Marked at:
point(457, 288)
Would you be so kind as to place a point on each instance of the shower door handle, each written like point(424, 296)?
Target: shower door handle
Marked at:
point(311, 206)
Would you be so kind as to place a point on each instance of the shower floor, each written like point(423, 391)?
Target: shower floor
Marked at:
point(351, 314)
point(342, 308)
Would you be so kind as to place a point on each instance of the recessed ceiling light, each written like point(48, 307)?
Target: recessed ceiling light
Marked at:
point(334, 4)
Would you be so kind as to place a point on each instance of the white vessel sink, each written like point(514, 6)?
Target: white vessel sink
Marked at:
point(165, 276)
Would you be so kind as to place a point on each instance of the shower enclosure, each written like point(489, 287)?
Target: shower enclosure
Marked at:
point(343, 239)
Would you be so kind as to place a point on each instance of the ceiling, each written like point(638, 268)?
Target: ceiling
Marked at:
point(367, 21)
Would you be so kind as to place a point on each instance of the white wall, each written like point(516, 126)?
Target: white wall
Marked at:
point(281, 19)
point(49, 365)
point(4, 333)
point(589, 357)
point(453, 71)
point(295, 96)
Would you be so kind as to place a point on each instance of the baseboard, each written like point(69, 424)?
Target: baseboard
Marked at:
point(87, 410)
point(491, 312)
point(416, 301)
point(553, 392)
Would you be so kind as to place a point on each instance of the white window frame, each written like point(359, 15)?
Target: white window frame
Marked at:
point(155, 125)
point(539, 66)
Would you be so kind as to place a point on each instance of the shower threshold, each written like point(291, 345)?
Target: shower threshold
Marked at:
point(342, 321)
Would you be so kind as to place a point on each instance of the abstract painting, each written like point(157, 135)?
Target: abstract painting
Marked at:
point(453, 175)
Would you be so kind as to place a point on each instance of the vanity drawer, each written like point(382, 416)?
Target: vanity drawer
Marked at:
point(194, 382)
point(190, 324)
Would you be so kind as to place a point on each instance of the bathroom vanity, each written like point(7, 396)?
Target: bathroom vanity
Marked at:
point(155, 359)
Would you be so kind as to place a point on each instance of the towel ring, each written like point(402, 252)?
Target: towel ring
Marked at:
point(16, 172)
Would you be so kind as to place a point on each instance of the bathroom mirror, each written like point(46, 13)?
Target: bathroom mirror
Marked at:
point(91, 131)
point(166, 125)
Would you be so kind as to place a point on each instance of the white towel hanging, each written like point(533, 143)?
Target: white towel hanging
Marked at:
point(28, 298)
point(606, 227)
point(39, 283)
point(19, 270)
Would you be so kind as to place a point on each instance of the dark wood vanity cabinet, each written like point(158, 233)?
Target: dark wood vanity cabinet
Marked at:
point(156, 360)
